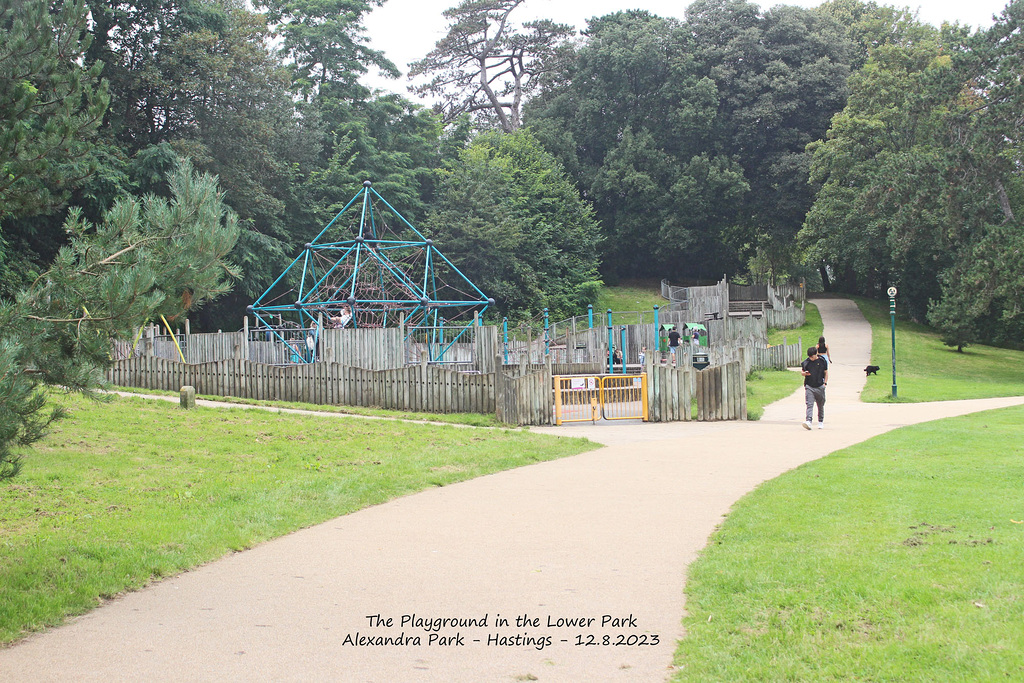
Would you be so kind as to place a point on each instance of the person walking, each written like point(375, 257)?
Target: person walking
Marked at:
point(673, 344)
point(823, 351)
point(814, 368)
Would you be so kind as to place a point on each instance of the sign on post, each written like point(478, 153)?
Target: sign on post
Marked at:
point(892, 318)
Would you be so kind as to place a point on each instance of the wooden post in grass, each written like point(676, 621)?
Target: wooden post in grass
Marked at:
point(188, 397)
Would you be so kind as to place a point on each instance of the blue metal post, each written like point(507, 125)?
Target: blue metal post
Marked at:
point(611, 344)
point(547, 335)
point(590, 316)
point(657, 338)
point(622, 348)
point(504, 329)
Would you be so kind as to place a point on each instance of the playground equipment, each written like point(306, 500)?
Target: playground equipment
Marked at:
point(369, 267)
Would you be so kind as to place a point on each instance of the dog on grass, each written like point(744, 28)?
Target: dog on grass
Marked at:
point(871, 370)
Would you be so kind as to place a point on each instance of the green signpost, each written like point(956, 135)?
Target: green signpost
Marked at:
point(892, 318)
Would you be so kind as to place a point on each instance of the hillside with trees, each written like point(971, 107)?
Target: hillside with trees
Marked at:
point(850, 143)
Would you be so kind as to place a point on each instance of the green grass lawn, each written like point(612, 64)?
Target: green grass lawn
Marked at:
point(124, 492)
point(473, 419)
point(640, 296)
point(898, 559)
point(807, 333)
point(928, 370)
point(768, 386)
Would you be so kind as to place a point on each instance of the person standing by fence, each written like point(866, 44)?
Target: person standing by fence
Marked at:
point(815, 372)
point(673, 344)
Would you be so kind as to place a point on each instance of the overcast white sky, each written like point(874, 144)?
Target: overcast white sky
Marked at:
point(406, 30)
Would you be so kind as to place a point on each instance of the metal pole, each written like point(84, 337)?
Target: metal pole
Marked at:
point(547, 335)
point(654, 349)
point(504, 329)
point(892, 318)
point(611, 343)
point(590, 316)
point(622, 348)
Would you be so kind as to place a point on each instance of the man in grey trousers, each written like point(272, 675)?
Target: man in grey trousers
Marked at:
point(814, 368)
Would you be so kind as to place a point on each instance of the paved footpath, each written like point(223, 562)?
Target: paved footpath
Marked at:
point(605, 533)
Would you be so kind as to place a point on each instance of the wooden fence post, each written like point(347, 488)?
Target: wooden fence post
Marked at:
point(743, 396)
point(245, 338)
point(499, 390)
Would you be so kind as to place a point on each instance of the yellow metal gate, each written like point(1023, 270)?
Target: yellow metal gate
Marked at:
point(611, 397)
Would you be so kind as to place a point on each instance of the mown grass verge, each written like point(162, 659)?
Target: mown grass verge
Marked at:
point(122, 493)
point(472, 419)
point(928, 370)
point(895, 560)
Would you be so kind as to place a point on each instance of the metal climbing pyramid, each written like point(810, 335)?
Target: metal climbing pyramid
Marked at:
point(369, 267)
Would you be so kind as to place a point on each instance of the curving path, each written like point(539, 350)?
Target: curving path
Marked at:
point(609, 532)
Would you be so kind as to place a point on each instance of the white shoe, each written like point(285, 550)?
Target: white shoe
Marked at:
point(821, 425)
point(807, 425)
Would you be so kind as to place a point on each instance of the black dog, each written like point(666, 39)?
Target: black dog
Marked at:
point(871, 370)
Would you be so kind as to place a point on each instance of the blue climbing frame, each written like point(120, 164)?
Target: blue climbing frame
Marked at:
point(386, 274)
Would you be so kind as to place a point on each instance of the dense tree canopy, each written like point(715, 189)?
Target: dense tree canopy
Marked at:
point(691, 140)
point(49, 105)
point(781, 76)
point(632, 120)
point(689, 137)
point(518, 228)
point(921, 179)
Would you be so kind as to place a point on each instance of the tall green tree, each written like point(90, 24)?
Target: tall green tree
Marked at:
point(50, 106)
point(146, 258)
point(511, 220)
point(884, 174)
point(386, 139)
point(780, 75)
point(921, 180)
point(634, 122)
point(198, 78)
point(325, 46)
point(486, 65)
point(363, 135)
point(982, 290)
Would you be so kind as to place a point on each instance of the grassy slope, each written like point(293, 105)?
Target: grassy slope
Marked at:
point(122, 493)
point(927, 370)
point(630, 297)
point(895, 560)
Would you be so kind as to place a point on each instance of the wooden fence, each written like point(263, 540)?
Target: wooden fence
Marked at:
point(525, 400)
point(669, 395)
point(747, 292)
point(367, 348)
point(420, 388)
point(785, 318)
point(479, 349)
point(756, 355)
point(722, 393)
